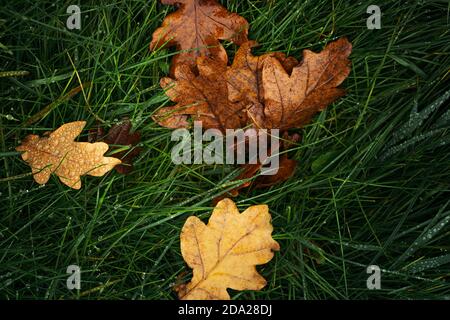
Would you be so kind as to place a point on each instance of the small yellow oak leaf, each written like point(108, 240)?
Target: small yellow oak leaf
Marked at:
point(58, 153)
point(224, 253)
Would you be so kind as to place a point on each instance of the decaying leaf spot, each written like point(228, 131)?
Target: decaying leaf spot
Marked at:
point(224, 253)
point(58, 153)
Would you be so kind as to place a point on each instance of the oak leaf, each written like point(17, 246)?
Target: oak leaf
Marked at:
point(118, 138)
point(286, 169)
point(286, 166)
point(196, 28)
point(58, 153)
point(202, 97)
point(244, 77)
point(291, 101)
point(224, 253)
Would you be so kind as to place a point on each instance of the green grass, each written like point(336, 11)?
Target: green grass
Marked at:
point(372, 185)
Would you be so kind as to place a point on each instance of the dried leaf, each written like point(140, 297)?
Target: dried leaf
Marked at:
point(285, 170)
point(224, 253)
point(268, 91)
point(244, 77)
point(203, 98)
point(118, 137)
point(286, 166)
point(291, 101)
point(58, 153)
point(196, 28)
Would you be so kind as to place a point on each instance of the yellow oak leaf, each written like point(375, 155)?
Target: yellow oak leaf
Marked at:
point(224, 253)
point(58, 153)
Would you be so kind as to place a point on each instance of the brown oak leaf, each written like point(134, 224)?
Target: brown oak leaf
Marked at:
point(58, 153)
point(202, 97)
point(285, 170)
point(271, 91)
point(196, 28)
point(224, 253)
point(290, 101)
point(244, 77)
point(118, 137)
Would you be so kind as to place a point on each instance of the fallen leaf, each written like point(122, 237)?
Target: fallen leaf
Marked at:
point(290, 101)
point(202, 97)
point(58, 153)
point(285, 170)
point(286, 166)
point(271, 91)
point(244, 77)
point(196, 28)
point(118, 137)
point(224, 253)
